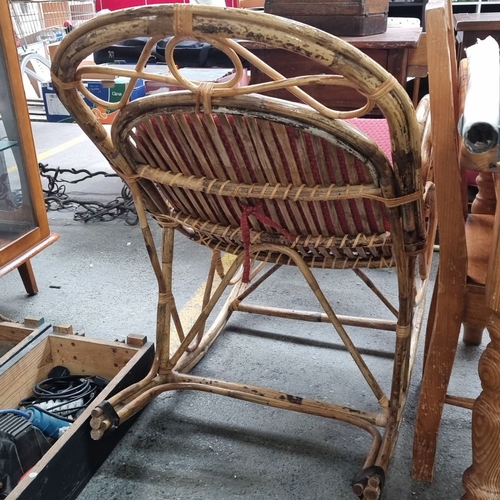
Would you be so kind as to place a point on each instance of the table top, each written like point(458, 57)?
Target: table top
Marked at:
point(393, 38)
point(477, 21)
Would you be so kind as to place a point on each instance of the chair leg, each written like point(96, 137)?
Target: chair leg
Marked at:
point(440, 356)
point(131, 400)
point(482, 480)
point(473, 333)
point(402, 363)
point(28, 278)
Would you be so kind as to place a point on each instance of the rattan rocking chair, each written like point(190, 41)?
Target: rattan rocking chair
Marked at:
point(269, 182)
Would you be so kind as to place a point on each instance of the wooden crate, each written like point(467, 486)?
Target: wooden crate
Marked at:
point(65, 469)
point(16, 336)
point(339, 17)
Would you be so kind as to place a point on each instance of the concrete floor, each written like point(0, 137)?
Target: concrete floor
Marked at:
point(199, 446)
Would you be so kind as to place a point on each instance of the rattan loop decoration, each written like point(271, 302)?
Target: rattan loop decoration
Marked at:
point(64, 85)
point(204, 97)
point(183, 20)
point(385, 88)
point(279, 81)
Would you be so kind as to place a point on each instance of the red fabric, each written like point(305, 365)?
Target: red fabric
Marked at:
point(471, 177)
point(256, 211)
point(123, 4)
point(376, 129)
point(340, 168)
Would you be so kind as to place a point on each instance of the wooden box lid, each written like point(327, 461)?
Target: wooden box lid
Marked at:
point(288, 8)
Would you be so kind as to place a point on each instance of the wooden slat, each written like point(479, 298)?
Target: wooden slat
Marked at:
point(13, 332)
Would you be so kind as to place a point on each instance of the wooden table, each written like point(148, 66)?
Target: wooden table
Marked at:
point(389, 49)
point(470, 27)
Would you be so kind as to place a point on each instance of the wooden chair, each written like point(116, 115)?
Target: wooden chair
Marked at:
point(272, 183)
point(465, 242)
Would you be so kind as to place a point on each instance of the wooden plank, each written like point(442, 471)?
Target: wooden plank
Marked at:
point(288, 8)
point(33, 322)
point(89, 356)
point(18, 380)
point(451, 282)
point(67, 329)
point(481, 21)
point(136, 340)
point(13, 332)
point(18, 346)
point(417, 59)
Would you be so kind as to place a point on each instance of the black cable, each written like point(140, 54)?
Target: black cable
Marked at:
point(65, 390)
point(56, 197)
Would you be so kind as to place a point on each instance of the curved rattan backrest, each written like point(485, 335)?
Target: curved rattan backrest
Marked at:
point(212, 150)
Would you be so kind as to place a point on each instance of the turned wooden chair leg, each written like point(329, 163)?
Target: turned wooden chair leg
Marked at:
point(484, 203)
point(28, 277)
point(482, 479)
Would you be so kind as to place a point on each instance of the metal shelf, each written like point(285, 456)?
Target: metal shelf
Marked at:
point(7, 144)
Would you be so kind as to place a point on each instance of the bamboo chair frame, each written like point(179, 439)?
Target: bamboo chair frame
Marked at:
point(142, 148)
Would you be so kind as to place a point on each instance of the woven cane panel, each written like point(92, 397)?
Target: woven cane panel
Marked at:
point(251, 150)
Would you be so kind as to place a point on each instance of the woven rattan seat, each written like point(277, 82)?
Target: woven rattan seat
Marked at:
point(272, 183)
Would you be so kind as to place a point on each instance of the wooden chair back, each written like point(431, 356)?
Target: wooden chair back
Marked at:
point(468, 259)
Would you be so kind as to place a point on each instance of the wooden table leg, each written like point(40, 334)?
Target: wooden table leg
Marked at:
point(28, 277)
point(482, 479)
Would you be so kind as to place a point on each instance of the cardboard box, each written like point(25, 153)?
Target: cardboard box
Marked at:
point(112, 91)
point(66, 467)
point(108, 90)
point(54, 108)
point(52, 47)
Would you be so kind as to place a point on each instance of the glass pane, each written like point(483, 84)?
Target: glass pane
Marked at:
point(16, 211)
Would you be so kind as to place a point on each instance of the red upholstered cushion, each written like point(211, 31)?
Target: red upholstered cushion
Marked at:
point(376, 129)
